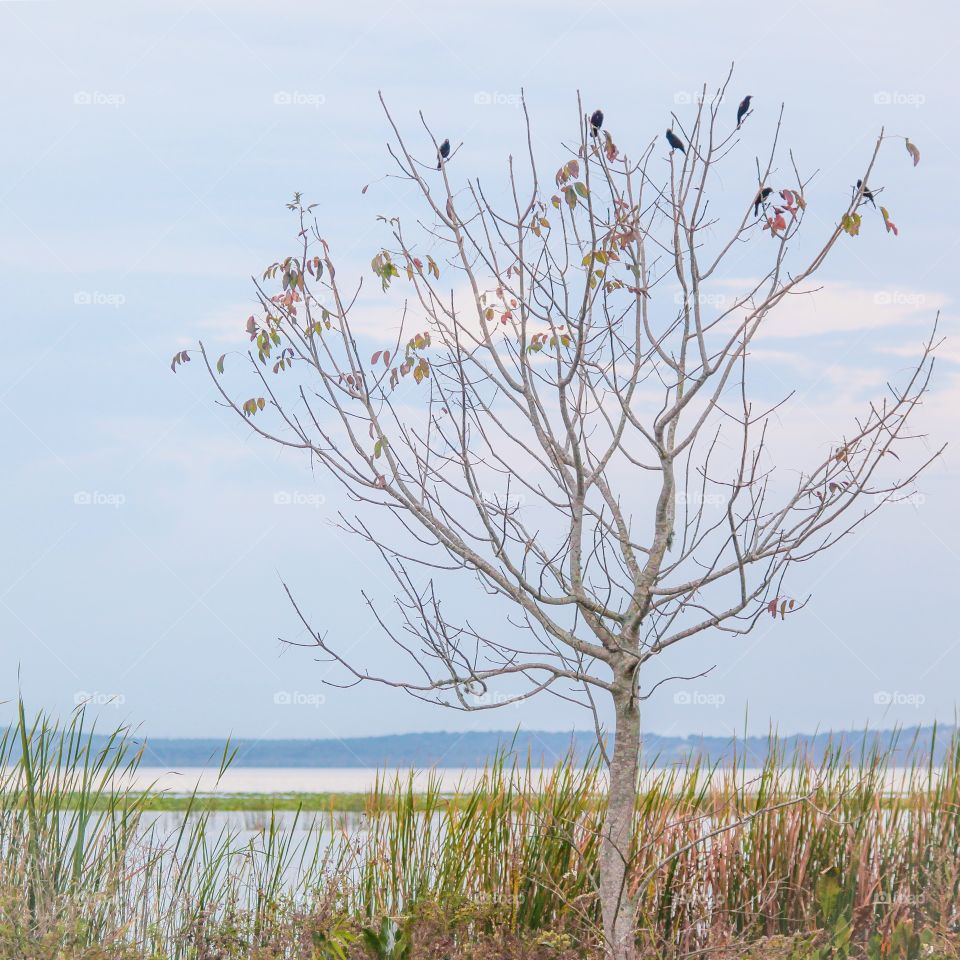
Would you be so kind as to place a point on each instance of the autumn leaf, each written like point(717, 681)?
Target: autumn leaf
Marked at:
point(777, 223)
point(913, 151)
point(888, 223)
point(850, 223)
point(610, 147)
point(180, 357)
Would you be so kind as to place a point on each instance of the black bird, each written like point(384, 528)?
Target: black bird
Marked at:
point(761, 196)
point(444, 152)
point(675, 142)
point(596, 122)
point(867, 194)
point(743, 109)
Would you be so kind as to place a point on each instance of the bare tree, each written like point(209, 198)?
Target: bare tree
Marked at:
point(568, 420)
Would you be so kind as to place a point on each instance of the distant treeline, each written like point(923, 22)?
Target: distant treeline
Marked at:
point(902, 747)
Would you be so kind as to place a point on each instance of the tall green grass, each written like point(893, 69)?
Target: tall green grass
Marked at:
point(719, 856)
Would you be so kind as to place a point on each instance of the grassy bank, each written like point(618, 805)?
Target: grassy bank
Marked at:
point(799, 859)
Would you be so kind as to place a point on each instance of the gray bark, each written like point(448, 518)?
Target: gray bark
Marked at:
point(617, 905)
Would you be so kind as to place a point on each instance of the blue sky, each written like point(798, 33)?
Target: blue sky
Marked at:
point(147, 156)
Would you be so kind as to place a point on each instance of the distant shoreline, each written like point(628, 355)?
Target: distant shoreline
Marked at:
point(474, 749)
point(459, 751)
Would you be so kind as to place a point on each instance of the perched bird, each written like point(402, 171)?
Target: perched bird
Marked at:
point(675, 142)
point(596, 122)
point(867, 194)
point(443, 152)
point(761, 196)
point(743, 109)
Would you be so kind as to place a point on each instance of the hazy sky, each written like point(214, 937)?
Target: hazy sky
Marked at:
point(146, 159)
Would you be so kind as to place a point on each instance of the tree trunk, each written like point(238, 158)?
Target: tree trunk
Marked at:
point(616, 904)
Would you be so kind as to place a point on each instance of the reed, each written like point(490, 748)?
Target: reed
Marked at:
point(806, 850)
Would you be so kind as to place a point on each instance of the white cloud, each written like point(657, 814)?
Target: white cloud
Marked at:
point(836, 307)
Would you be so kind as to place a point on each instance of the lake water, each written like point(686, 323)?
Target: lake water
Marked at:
point(293, 779)
point(361, 779)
